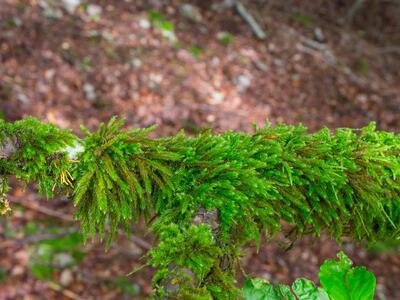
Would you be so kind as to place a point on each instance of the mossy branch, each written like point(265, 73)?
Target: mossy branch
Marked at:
point(345, 183)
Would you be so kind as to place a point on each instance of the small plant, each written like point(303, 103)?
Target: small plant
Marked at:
point(225, 38)
point(339, 281)
point(303, 19)
point(3, 274)
point(59, 252)
point(84, 6)
point(126, 287)
point(208, 196)
point(86, 63)
point(161, 23)
point(196, 51)
point(361, 66)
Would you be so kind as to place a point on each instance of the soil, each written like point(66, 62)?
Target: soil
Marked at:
point(108, 58)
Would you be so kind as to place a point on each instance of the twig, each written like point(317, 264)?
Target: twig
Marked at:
point(37, 238)
point(142, 243)
point(241, 9)
point(48, 236)
point(313, 44)
point(322, 51)
point(68, 218)
point(354, 9)
point(43, 210)
point(332, 61)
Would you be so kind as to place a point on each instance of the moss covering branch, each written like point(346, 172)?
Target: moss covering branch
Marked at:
point(345, 183)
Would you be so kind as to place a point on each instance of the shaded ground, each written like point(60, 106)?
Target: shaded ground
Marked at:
point(124, 58)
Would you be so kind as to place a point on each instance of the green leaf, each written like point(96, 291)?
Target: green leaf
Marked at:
point(42, 272)
point(3, 275)
point(127, 287)
point(339, 280)
point(284, 292)
point(258, 289)
point(342, 282)
point(305, 289)
point(225, 38)
point(361, 284)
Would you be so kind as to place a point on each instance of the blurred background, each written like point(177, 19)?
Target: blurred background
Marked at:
point(186, 64)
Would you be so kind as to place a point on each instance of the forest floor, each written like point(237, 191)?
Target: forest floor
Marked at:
point(180, 66)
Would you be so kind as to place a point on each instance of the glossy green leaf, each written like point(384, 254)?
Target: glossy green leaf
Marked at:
point(305, 289)
point(258, 289)
point(342, 282)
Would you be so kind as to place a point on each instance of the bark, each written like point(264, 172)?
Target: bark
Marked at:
point(203, 217)
point(8, 147)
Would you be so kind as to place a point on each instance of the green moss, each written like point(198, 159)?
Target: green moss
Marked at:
point(39, 155)
point(345, 183)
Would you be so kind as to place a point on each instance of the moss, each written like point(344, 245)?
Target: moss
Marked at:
point(345, 183)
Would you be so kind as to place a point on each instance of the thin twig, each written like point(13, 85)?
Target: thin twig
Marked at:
point(327, 56)
point(241, 9)
point(354, 9)
point(48, 236)
point(32, 205)
point(331, 61)
point(142, 243)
